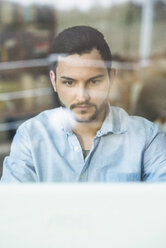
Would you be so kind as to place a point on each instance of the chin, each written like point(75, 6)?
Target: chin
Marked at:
point(85, 120)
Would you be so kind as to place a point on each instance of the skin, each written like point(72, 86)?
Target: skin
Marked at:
point(83, 85)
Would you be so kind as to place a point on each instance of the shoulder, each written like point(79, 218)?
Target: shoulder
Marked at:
point(134, 124)
point(125, 117)
point(45, 120)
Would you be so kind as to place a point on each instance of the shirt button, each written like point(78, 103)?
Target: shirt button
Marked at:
point(76, 148)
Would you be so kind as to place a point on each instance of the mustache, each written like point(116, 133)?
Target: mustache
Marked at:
point(86, 103)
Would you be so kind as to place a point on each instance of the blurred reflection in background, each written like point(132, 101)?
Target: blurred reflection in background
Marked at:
point(151, 102)
point(135, 31)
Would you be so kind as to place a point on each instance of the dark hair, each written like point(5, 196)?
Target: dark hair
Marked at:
point(81, 39)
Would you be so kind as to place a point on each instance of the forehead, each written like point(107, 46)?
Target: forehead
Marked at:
point(91, 60)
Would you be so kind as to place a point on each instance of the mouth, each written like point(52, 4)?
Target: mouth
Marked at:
point(83, 107)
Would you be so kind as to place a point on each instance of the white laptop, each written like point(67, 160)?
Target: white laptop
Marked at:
point(83, 216)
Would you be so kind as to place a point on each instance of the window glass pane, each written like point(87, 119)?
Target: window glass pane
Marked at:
point(134, 30)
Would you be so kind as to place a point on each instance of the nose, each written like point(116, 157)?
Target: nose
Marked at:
point(82, 94)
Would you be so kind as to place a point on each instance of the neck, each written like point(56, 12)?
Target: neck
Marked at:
point(86, 132)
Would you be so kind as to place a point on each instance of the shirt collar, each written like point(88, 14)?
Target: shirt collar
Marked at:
point(65, 120)
point(114, 122)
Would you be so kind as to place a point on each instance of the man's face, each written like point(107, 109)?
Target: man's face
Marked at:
point(82, 84)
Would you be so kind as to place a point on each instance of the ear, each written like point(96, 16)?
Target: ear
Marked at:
point(53, 80)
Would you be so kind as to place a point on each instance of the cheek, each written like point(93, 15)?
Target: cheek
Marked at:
point(100, 94)
point(66, 95)
point(61, 90)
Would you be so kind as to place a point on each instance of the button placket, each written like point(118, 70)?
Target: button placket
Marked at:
point(76, 148)
point(78, 159)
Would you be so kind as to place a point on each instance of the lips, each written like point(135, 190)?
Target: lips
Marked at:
point(83, 107)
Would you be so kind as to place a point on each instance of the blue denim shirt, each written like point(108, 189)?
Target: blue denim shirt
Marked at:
point(125, 149)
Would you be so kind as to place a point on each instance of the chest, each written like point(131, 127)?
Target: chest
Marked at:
point(111, 158)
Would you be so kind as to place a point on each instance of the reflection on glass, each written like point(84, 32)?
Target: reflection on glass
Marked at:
point(27, 30)
point(26, 34)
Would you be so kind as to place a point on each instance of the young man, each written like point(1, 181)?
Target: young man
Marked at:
point(85, 139)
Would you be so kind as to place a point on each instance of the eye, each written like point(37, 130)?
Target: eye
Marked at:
point(95, 82)
point(68, 83)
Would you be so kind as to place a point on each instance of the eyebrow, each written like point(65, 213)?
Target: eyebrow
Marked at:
point(92, 78)
point(68, 78)
point(98, 76)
